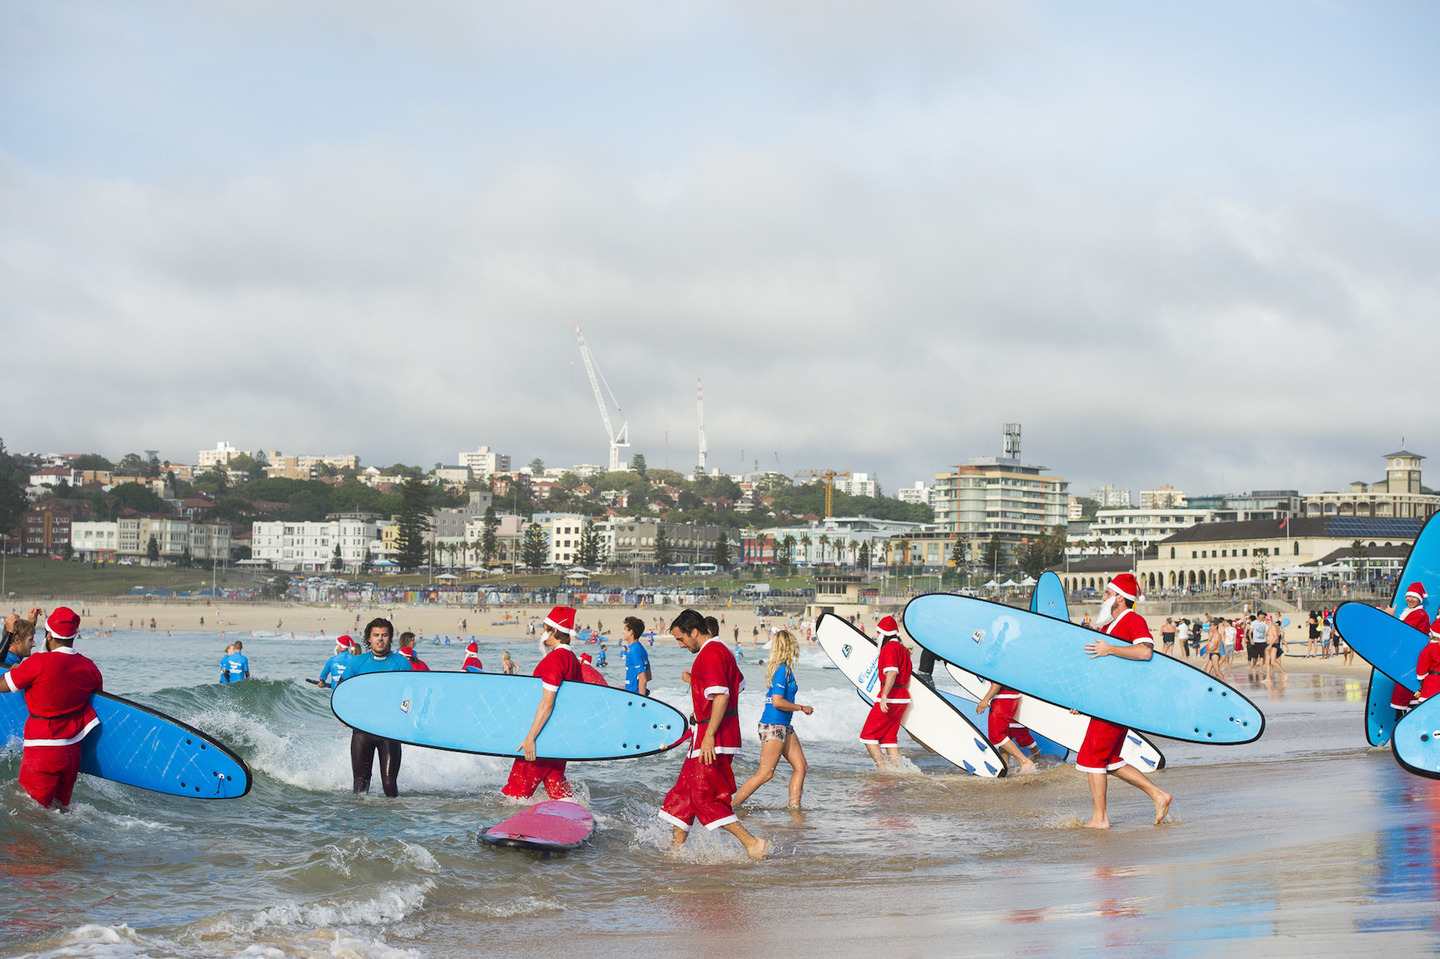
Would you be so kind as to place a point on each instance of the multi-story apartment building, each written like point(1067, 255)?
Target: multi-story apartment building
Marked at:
point(45, 530)
point(311, 546)
point(484, 461)
point(173, 535)
point(95, 541)
point(999, 496)
point(221, 455)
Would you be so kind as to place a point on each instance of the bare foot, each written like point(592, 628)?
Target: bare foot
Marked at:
point(1028, 766)
point(1098, 824)
point(1162, 807)
point(759, 850)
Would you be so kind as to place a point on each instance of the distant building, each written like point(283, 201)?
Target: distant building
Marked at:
point(94, 541)
point(635, 541)
point(221, 455)
point(45, 530)
point(1166, 497)
point(919, 493)
point(485, 461)
point(999, 496)
point(1108, 496)
point(1275, 504)
point(856, 484)
point(310, 546)
point(173, 535)
point(1399, 495)
point(1130, 530)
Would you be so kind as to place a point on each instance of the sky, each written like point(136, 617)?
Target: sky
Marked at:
point(1185, 244)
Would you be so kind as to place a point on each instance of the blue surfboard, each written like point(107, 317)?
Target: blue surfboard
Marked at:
point(1417, 739)
point(1045, 658)
point(1049, 598)
point(1379, 714)
point(137, 746)
point(1383, 641)
point(491, 713)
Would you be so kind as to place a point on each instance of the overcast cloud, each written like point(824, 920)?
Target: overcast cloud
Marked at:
point(876, 231)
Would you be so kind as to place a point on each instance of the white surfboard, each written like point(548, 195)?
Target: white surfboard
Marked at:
point(1058, 723)
point(929, 719)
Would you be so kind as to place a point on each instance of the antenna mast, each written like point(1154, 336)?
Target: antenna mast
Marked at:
point(700, 415)
point(621, 438)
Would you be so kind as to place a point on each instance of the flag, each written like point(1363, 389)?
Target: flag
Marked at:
point(1284, 521)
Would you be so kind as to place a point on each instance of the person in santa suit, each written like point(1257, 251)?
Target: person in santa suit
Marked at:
point(57, 684)
point(706, 783)
point(1006, 735)
point(1427, 667)
point(1100, 750)
point(882, 725)
point(472, 659)
point(559, 666)
point(1413, 615)
point(407, 649)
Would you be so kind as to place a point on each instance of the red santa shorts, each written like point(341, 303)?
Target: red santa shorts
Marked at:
point(1003, 725)
point(526, 777)
point(48, 773)
point(1401, 698)
point(701, 792)
point(883, 729)
point(1100, 751)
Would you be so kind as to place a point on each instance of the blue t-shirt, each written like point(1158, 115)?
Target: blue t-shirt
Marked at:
point(784, 686)
point(336, 667)
point(370, 663)
point(637, 664)
point(600, 658)
point(233, 667)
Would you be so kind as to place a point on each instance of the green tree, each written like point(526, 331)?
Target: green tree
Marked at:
point(186, 560)
point(785, 555)
point(1033, 562)
point(589, 554)
point(957, 554)
point(865, 555)
point(367, 562)
point(12, 491)
point(93, 461)
point(994, 554)
point(532, 548)
point(152, 549)
point(413, 521)
point(249, 465)
point(537, 466)
point(663, 553)
point(337, 561)
point(722, 551)
point(637, 464)
point(489, 541)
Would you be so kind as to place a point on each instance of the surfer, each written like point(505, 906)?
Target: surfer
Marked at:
point(777, 738)
point(637, 661)
point(1100, 750)
point(559, 665)
point(57, 684)
point(19, 644)
point(337, 665)
point(706, 782)
point(1427, 667)
point(364, 746)
point(882, 725)
point(407, 649)
point(1401, 699)
point(234, 666)
point(13, 626)
point(472, 662)
point(1006, 734)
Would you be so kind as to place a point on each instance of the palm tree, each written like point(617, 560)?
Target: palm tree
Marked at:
point(805, 541)
point(824, 542)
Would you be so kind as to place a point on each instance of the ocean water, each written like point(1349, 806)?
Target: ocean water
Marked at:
point(1305, 843)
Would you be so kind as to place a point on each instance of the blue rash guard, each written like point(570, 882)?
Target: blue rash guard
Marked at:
point(233, 668)
point(370, 663)
point(335, 668)
point(784, 686)
point(637, 664)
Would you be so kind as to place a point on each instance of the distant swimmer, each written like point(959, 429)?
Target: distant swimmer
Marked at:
point(234, 666)
point(1414, 615)
point(600, 659)
point(338, 665)
point(1006, 734)
point(407, 649)
point(706, 783)
point(1100, 750)
point(637, 661)
point(58, 684)
point(559, 666)
point(472, 662)
point(378, 658)
point(882, 725)
point(507, 665)
point(777, 737)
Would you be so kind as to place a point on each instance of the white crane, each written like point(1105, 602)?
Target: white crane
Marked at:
point(700, 415)
point(621, 438)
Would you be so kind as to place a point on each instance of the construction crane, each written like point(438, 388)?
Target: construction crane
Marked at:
point(621, 438)
point(700, 415)
point(829, 477)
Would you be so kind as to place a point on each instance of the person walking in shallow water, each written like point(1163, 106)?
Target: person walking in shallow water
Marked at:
point(777, 738)
point(1100, 751)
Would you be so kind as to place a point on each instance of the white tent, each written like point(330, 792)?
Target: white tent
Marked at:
point(1028, 581)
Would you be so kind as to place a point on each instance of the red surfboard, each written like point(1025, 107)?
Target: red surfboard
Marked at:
point(549, 826)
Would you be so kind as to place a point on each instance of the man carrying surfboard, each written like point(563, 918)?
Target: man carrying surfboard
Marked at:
point(1100, 751)
point(1401, 698)
point(379, 658)
point(882, 725)
point(706, 783)
point(57, 684)
point(559, 666)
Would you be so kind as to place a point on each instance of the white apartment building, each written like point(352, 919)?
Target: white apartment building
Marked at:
point(919, 493)
point(1121, 530)
point(1166, 497)
point(221, 455)
point(484, 461)
point(310, 546)
point(856, 484)
point(562, 536)
point(1109, 497)
point(94, 540)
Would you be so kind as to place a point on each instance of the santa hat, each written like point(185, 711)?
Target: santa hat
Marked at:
point(1416, 590)
point(64, 623)
point(562, 619)
point(1126, 585)
point(585, 658)
point(473, 648)
point(345, 642)
point(887, 627)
